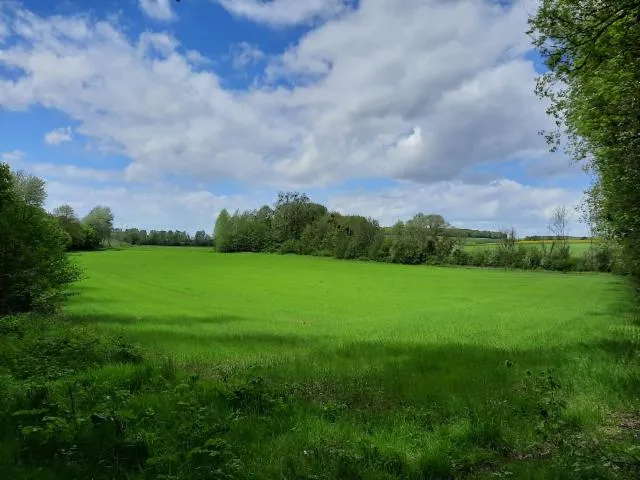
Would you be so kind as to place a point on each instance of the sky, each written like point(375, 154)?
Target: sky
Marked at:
point(169, 111)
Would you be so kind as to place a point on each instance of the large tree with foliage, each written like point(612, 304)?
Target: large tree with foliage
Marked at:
point(34, 269)
point(101, 220)
point(29, 188)
point(292, 213)
point(222, 233)
point(592, 51)
point(81, 236)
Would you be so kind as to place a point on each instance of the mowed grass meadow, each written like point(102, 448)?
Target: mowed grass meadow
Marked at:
point(369, 370)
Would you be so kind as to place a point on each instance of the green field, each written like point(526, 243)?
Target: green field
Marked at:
point(384, 371)
point(578, 248)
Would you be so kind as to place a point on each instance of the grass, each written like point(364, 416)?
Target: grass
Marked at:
point(193, 302)
point(577, 247)
point(317, 368)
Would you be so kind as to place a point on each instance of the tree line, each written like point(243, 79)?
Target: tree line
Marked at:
point(170, 238)
point(295, 224)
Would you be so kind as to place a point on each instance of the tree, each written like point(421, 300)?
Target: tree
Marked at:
point(560, 254)
point(35, 272)
point(292, 213)
point(506, 251)
point(67, 219)
point(320, 237)
point(222, 234)
point(431, 232)
point(592, 51)
point(29, 188)
point(558, 224)
point(433, 223)
point(65, 211)
point(101, 220)
point(201, 239)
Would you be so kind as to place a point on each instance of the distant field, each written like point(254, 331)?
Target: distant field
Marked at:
point(578, 247)
point(420, 364)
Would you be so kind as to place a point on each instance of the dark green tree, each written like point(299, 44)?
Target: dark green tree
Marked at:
point(35, 271)
point(222, 233)
point(81, 236)
point(293, 212)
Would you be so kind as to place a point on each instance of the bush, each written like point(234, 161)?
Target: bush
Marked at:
point(34, 269)
point(460, 257)
point(532, 259)
point(560, 260)
point(290, 246)
point(404, 250)
point(50, 348)
point(479, 257)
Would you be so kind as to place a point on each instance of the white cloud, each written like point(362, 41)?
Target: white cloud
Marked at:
point(245, 54)
point(58, 136)
point(11, 157)
point(447, 77)
point(157, 206)
point(4, 29)
point(282, 13)
point(546, 165)
point(158, 9)
point(497, 205)
point(67, 172)
point(197, 58)
point(59, 171)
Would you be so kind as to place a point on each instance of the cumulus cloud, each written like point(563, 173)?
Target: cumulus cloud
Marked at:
point(11, 157)
point(245, 54)
point(158, 206)
point(4, 29)
point(158, 9)
point(500, 204)
point(58, 136)
point(197, 58)
point(73, 173)
point(414, 90)
point(281, 13)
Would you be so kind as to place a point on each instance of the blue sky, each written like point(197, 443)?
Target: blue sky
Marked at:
point(170, 111)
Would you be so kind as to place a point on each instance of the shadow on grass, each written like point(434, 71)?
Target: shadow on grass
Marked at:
point(374, 375)
point(383, 374)
point(255, 342)
point(169, 320)
point(355, 408)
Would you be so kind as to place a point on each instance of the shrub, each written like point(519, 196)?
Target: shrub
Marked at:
point(34, 269)
point(406, 251)
point(459, 256)
point(290, 246)
point(560, 260)
point(533, 258)
point(479, 257)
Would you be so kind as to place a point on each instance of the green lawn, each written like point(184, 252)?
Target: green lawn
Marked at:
point(437, 369)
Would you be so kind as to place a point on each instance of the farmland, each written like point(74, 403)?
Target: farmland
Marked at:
point(379, 371)
point(576, 247)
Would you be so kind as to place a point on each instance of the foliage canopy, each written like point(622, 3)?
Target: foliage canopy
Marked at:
point(592, 51)
point(34, 268)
